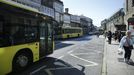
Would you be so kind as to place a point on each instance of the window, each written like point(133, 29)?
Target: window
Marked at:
point(28, 22)
point(20, 34)
point(49, 30)
point(1, 34)
point(1, 23)
point(1, 27)
point(20, 20)
point(31, 34)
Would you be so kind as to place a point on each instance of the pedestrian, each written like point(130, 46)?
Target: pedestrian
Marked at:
point(127, 43)
point(119, 36)
point(105, 34)
point(115, 35)
point(98, 35)
point(109, 37)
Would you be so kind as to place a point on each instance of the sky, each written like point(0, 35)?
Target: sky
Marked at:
point(97, 10)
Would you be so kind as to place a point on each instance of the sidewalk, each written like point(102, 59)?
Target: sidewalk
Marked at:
point(114, 63)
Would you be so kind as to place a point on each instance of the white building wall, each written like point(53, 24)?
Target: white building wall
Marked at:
point(67, 18)
point(75, 18)
point(58, 7)
point(58, 11)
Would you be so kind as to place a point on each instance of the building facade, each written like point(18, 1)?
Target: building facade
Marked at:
point(58, 7)
point(86, 24)
point(129, 16)
point(31, 3)
point(116, 21)
point(129, 11)
point(47, 8)
point(103, 24)
point(59, 10)
point(38, 5)
point(66, 18)
point(75, 21)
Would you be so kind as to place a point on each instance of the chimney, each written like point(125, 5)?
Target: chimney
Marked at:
point(66, 10)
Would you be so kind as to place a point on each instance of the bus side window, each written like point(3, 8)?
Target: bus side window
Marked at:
point(1, 27)
point(1, 23)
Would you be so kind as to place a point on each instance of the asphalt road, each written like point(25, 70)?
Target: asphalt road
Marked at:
point(76, 56)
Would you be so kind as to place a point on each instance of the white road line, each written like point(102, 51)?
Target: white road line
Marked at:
point(90, 65)
point(59, 57)
point(70, 52)
point(48, 72)
point(93, 63)
point(37, 70)
point(82, 53)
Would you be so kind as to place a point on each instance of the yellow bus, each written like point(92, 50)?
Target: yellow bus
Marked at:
point(68, 32)
point(25, 36)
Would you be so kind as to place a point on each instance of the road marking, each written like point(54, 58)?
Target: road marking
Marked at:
point(104, 64)
point(93, 63)
point(82, 53)
point(37, 70)
point(48, 72)
point(59, 58)
point(70, 52)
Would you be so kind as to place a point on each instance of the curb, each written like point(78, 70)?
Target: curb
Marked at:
point(104, 65)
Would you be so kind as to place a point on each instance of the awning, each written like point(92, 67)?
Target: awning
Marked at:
point(130, 21)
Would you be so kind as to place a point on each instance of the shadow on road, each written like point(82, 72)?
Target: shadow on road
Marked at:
point(121, 59)
point(62, 45)
point(114, 44)
point(130, 63)
point(53, 66)
point(59, 43)
point(83, 38)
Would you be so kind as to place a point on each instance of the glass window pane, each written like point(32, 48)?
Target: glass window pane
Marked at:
point(1, 27)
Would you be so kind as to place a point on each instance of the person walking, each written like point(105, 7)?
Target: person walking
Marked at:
point(105, 34)
point(119, 36)
point(109, 37)
point(127, 43)
point(115, 35)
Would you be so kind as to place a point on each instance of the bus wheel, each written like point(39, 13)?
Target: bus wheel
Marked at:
point(21, 61)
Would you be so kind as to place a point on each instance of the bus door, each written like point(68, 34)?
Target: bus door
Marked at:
point(3, 38)
point(50, 38)
point(46, 39)
point(43, 36)
point(1, 30)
